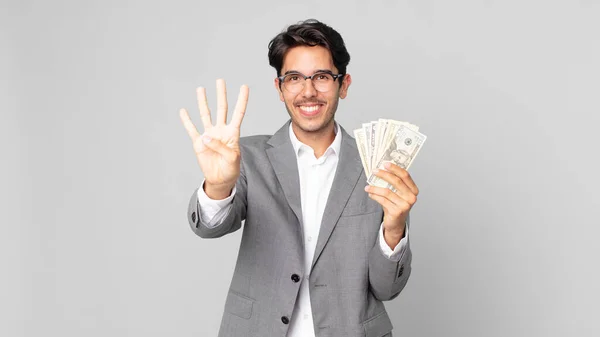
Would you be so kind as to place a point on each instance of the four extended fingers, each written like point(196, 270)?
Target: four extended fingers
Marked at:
point(239, 112)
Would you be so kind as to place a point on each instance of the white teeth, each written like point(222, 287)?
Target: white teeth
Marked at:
point(309, 108)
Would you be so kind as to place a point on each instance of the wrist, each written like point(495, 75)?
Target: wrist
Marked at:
point(395, 227)
point(217, 192)
point(396, 233)
point(392, 236)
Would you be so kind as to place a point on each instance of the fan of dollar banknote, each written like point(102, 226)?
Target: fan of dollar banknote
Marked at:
point(384, 141)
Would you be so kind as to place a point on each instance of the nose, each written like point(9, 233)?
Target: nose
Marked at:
point(309, 89)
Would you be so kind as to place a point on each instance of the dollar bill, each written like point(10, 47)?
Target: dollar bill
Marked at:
point(387, 140)
point(401, 150)
point(361, 142)
point(392, 127)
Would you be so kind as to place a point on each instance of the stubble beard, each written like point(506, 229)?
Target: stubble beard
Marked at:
point(329, 118)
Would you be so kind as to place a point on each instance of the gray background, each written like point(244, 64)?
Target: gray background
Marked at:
point(97, 170)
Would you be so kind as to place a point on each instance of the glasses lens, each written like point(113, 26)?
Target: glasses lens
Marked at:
point(323, 82)
point(293, 83)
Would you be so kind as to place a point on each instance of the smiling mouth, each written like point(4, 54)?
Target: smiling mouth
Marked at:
point(310, 110)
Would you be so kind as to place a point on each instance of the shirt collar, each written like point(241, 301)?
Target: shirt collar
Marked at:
point(333, 148)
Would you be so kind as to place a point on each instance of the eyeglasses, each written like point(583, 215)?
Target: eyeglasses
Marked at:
point(323, 81)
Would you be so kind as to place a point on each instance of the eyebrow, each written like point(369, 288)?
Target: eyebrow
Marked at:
point(316, 71)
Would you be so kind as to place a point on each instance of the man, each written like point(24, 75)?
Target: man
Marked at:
point(319, 251)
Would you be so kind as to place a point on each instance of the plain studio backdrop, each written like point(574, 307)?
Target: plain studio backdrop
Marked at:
point(97, 170)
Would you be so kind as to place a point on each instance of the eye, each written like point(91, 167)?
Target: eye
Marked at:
point(292, 78)
point(322, 77)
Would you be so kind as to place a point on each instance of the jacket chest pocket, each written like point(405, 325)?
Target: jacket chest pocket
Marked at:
point(360, 205)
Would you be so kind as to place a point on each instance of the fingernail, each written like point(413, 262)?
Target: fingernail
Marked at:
point(387, 164)
point(375, 171)
point(367, 188)
point(206, 139)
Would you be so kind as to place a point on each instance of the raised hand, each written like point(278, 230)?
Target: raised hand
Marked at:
point(217, 149)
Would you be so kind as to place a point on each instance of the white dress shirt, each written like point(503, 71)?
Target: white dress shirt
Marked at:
point(316, 178)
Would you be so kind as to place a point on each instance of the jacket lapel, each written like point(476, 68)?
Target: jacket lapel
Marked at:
point(348, 172)
point(285, 164)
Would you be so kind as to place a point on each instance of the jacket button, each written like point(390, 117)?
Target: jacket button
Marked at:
point(193, 216)
point(295, 278)
point(285, 320)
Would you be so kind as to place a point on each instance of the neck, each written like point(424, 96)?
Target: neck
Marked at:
point(318, 140)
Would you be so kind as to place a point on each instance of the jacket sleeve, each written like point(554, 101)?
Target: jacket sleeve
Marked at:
point(231, 222)
point(387, 277)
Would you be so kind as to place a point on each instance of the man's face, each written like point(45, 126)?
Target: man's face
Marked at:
point(309, 109)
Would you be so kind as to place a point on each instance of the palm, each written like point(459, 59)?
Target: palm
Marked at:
point(217, 168)
point(219, 160)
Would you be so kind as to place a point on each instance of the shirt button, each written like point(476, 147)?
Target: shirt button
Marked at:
point(285, 320)
point(305, 316)
point(295, 278)
point(309, 239)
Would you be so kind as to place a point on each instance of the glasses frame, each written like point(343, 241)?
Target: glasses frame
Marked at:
point(335, 78)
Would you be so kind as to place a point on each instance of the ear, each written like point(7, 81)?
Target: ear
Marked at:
point(276, 82)
point(345, 84)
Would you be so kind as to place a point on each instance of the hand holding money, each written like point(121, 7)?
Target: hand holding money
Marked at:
point(387, 148)
point(396, 204)
point(387, 141)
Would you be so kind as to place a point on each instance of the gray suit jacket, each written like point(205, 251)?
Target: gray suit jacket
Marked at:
point(350, 276)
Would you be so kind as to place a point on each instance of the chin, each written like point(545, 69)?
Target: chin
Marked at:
point(311, 125)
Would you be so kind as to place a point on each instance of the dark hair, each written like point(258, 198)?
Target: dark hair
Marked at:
point(309, 33)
